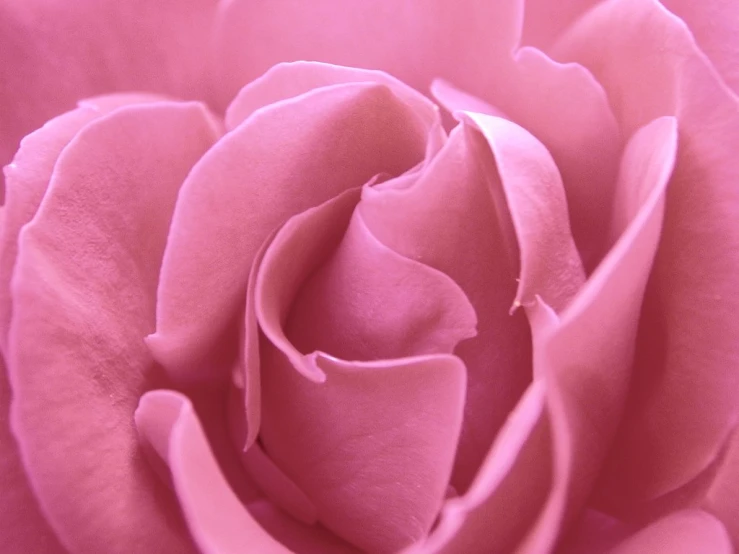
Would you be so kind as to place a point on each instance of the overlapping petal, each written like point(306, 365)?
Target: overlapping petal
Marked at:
point(684, 402)
point(83, 295)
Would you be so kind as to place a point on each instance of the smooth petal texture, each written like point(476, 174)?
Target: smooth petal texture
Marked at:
point(52, 55)
point(22, 525)
point(503, 500)
point(686, 385)
point(28, 176)
point(370, 442)
point(218, 521)
point(593, 532)
point(587, 359)
point(532, 188)
point(449, 219)
point(722, 497)
point(715, 26)
point(413, 40)
point(83, 300)
point(544, 21)
point(288, 80)
point(687, 532)
point(285, 159)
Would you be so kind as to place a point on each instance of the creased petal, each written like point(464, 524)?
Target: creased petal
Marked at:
point(218, 521)
point(52, 55)
point(686, 383)
point(686, 532)
point(413, 40)
point(83, 296)
point(370, 442)
point(285, 159)
point(28, 176)
point(23, 527)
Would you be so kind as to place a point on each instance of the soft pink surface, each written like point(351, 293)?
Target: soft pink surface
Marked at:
point(83, 300)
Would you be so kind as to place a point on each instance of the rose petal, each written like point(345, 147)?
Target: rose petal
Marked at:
point(594, 532)
point(285, 159)
point(686, 532)
point(218, 521)
point(714, 25)
point(511, 485)
point(23, 527)
point(415, 41)
point(685, 383)
point(371, 443)
point(722, 497)
point(288, 80)
point(83, 296)
point(544, 20)
point(52, 54)
point(27, 179)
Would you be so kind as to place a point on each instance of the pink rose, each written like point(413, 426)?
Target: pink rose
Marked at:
point(466, 282)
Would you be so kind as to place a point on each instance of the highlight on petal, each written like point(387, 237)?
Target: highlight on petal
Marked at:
point(288, 80)
point(217, 520)
point(686, 532)
point(52, 55)
point(23, 527)
point(413, 40)
point(587, 359)
point(684, 405)
point(28, 176)
point(284, 159)
point(83, 300)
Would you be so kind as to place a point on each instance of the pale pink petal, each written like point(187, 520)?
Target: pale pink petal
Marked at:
point(217, 520)
point(715, 26)
point(413, 40)
point(507, 492)
point(23, 527)
point(449, 220)
point(52, 54)
point(286, 158)
point(287, 80)
point(370, 442)
point(545, 20)
point(83, 295)
point(587, 359)
point(686, 532)
point(27, 178)
point(686, 384)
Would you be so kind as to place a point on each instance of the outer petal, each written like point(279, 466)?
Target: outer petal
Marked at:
point(53, 54)
point(218, 521)
point(413, 40)
point(687, 532)
point(285, 159)
point(27, 179)
point(544, 20)
point(686, 381)
point(371, 443)
point(23, 528)
point(83, 293)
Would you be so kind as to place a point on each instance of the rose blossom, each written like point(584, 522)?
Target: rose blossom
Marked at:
point(463, 282)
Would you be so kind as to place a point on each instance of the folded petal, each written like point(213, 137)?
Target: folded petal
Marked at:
point(370, 442)
point(52, 55)
point(23, 527)
point(28, 176)
point(217, 520)
point(287, 158)
point(686, 532)
point(415, 41)
point(544, 21)
point(83, 300)
point(686, 383)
